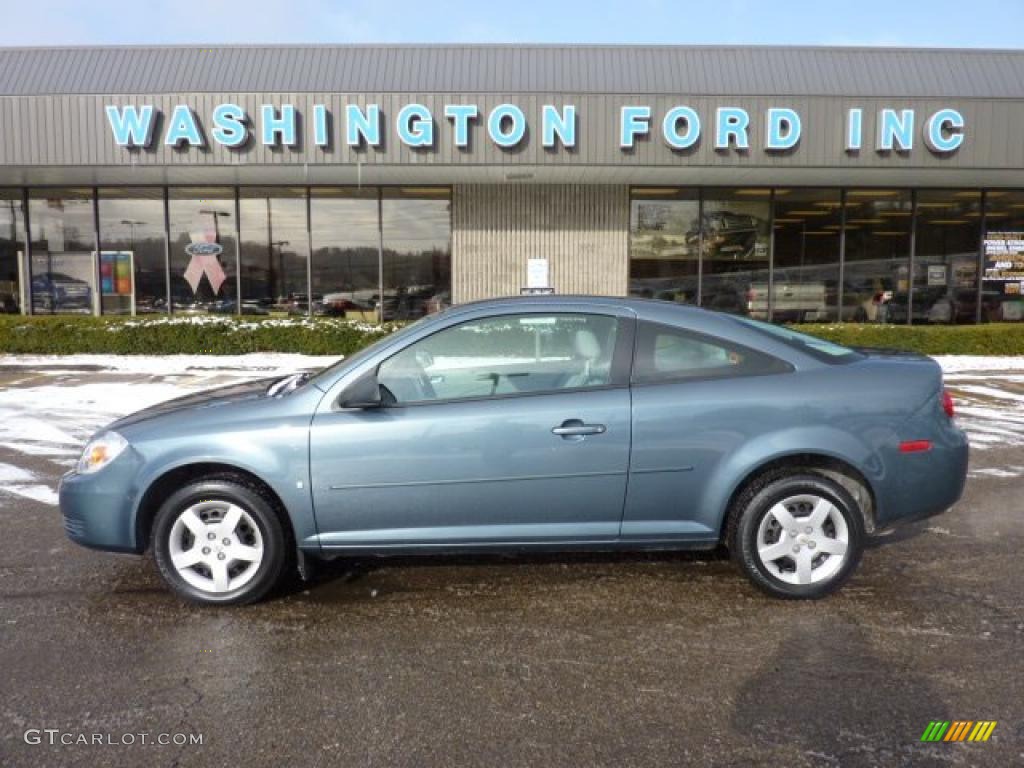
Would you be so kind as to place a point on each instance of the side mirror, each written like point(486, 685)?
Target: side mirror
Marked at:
point(363, 394)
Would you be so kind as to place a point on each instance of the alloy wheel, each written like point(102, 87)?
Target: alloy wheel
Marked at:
point(803, 539)
point(215, 546)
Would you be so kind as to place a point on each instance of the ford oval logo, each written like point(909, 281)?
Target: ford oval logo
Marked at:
point(203, 249)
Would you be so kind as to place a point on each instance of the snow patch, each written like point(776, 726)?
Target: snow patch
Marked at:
point(957, 363)
point(20, 482)
point(1001, 472)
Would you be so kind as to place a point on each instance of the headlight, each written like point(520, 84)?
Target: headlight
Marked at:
point(100, 451)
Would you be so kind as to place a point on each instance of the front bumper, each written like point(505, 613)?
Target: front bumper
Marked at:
point(98, 509)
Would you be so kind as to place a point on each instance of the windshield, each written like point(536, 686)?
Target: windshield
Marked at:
point(825, 351)
point(363, 353)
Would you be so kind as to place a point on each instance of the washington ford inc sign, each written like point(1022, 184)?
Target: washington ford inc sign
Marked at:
point(415, 125)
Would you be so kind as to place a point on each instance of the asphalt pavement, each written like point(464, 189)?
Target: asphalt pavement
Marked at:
point(617, 660)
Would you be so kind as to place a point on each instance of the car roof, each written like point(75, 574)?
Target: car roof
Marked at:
point(686, 316)
point(640, 306)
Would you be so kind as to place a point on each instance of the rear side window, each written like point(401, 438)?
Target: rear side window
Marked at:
point(825, 351)
point(665, 353)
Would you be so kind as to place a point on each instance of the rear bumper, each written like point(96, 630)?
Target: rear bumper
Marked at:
point(927, 483)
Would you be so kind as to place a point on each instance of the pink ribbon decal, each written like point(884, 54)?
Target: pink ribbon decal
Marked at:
point(204, 251)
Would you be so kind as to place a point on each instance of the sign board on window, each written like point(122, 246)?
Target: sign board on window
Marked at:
point(936, 274)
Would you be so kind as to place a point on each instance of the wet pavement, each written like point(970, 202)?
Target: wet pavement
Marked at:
point(558, 660)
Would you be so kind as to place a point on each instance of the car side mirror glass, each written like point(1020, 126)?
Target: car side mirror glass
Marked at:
point(364, 394)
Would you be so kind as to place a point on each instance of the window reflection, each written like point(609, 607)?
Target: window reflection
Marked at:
point(202, 238)
point(806, 281)
point(877, 278)
point(946, 256)
point(736, 238)
point(416, 231)
point(663, 244)
point(12, 239)
point(132, 267)
point(63, 243)
point(346, 252)
point(275, 251)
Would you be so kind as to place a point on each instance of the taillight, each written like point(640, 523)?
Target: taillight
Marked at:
point(947, 404)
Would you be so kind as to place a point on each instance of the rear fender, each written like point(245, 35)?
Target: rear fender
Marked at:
point(824, 441)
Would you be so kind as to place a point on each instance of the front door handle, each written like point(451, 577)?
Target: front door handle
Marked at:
point(576, 428)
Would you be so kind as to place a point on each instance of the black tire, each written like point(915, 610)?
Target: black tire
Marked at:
point(754, 505)
point(275, 539)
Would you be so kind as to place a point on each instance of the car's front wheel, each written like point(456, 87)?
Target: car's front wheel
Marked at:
point(797, 535)
point(219, 541)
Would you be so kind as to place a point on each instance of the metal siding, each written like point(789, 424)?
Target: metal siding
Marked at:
point(581, 230)
point(577, 69)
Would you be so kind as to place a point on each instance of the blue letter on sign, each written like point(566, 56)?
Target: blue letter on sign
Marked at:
point(633, 122)
point(460, 115)
point(183, 128)
point(563, 124)
point(853, 129)
point(895, 129)
point(131, 128)
point(670, 127)
point(320, 137)
point(944, 131)
point(781, 129)
point(361, 126)
point(415, 126)
point(517, 128)
point(731, 123)
point(274, 126)
point(229, 125)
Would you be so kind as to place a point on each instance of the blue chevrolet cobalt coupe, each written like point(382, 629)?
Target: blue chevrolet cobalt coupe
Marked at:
point(548, 423)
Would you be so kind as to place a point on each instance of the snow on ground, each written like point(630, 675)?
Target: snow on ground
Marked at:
point(50, 405)
point(988, 393)
point(259, 364)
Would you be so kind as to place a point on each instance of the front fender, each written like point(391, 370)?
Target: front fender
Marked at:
point(279, 457)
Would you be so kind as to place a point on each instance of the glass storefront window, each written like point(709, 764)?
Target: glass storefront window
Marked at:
point(1002, 279)
point(12, 245)
point(132, 267)
point(275, 251)
point(736, 243)
point(202, 234)
point(946, 256)
point(877, 274)
point(63, 251)
point(346, 252)
point(416, 231)
point(807, 226)
point(664, 239)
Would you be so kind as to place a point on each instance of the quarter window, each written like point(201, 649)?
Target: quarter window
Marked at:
point(502, 356)
point(665, 353)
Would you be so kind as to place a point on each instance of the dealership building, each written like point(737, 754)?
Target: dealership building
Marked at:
point(792, 184)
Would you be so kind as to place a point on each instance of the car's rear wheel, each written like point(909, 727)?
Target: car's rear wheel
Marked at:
point(219, 541)
point(797, 535)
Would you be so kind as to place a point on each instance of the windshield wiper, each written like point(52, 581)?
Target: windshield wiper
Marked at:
point(287, 384)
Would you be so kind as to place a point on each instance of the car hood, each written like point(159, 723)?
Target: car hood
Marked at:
point(211, 398)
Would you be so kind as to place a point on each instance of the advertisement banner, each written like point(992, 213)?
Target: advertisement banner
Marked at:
point(1004, 260)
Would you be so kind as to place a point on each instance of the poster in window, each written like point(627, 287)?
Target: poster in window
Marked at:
point(1004, 259)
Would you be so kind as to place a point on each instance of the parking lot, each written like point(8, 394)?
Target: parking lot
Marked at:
point(658, 659)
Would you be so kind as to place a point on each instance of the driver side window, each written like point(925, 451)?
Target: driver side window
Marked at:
point(506, 355)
